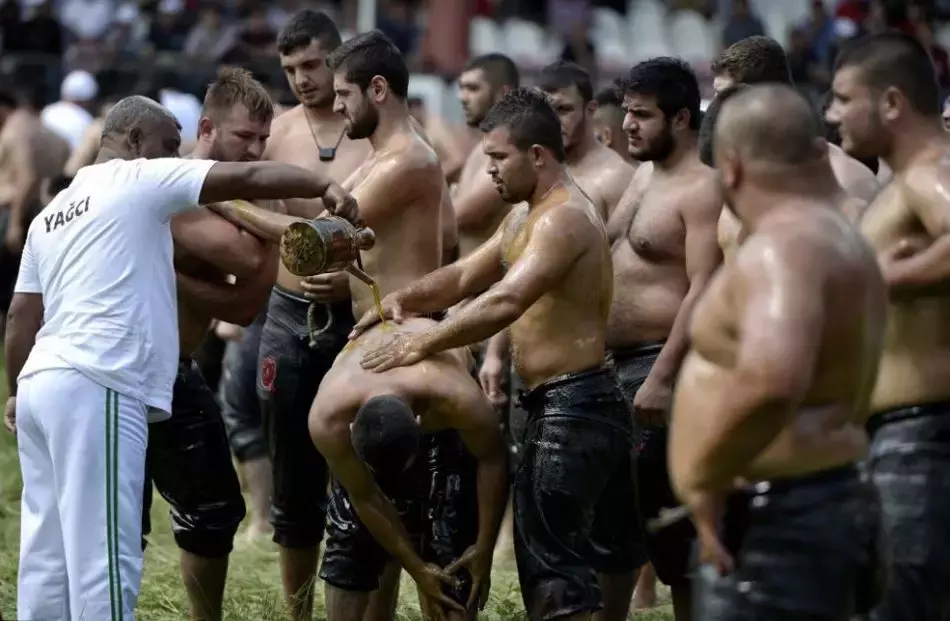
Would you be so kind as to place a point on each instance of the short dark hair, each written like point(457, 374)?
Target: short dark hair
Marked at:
point(530, 120)
point(562, 74)
point(895, 59)
point(754, 60)
point(237, 86)
point(499, 70)
point(385, 434)
point(368, 55)
point(707, 129)
point(611, 95)
point(671, 81)
point(305, 26)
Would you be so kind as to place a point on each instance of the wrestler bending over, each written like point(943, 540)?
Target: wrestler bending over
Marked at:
point(420, 475)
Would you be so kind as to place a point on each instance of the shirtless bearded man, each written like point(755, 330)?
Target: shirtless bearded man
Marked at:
point(661, 266)
point(420, 475)
point(886, 104)
point(774, 392)
point(547, 273)
point(313, 136)
point(478, 207)
point(29, 153)
point(189, 459)
point(761, 60)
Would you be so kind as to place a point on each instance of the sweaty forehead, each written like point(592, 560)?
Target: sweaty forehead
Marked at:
point(637, 100)
point(563, 95)
point(498, 139)
point(312, 53)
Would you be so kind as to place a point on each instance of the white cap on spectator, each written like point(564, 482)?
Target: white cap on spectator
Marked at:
point(845, 28)
point(79, 86)
point(127, 13)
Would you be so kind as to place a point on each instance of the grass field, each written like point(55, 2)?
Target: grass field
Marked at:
point(253, 583)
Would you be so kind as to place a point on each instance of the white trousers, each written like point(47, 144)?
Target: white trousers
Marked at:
point(82, 455)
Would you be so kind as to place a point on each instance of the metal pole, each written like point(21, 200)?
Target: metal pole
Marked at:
point(366, 15)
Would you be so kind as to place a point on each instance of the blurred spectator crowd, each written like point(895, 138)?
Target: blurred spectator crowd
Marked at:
point(175, 46)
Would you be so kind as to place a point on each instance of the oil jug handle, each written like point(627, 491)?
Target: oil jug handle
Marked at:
point(365, 238)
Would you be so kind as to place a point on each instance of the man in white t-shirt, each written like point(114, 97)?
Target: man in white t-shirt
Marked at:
point(92, 350)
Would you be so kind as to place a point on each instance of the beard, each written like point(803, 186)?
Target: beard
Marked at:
point(658, 149)
point(364, 122)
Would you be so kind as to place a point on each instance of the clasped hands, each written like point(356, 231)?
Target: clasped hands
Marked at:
point(432, 579)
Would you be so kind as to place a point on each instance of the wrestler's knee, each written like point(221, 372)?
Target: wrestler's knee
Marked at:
point(208, 529)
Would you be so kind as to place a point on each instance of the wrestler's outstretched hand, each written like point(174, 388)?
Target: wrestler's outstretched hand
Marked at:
point(392, 309)
point(478, 561)
point(402, 351)
point(432, 598)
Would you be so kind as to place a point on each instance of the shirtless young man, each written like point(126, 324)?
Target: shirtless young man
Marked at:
point(189, 458)
point(413, 451)
point(662, 264)
point(313, 136)
point(775, 390)
point(598, 170)
point(761, 60)
point(478, 208)
point(29, 153)
point(607, 122)
point(546, 273)
point(886, 104)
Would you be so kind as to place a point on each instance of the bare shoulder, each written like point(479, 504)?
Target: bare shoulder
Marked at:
point(285, 122)
point(702, 194)
point(855, 178)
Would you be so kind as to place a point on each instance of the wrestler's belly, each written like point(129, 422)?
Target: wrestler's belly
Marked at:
point(543, 349)
point(915, 365)
point(288, 281)
point(817, 438)
point(646, 298)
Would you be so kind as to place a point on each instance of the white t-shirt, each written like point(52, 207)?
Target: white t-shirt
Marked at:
point(101, 256)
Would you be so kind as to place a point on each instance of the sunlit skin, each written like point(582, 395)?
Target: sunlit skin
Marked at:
point(308, 75)
point(362, 116)
point(853, 111)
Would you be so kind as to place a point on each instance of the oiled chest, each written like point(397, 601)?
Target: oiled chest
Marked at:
point(656, 230)
point(516, 235)
point(889, 218)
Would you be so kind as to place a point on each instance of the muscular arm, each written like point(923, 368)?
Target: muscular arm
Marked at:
point(375, 510)
point(780, 316)
point(209, 237)
point(24, 319)
point(260, 180)
point(238, 303)
point(453, 283)
point(927, 194)
point(269, 225)
point(450, 230)
point(703, 257)
point(479, 426)
point(558, 240)
point(615, 186)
